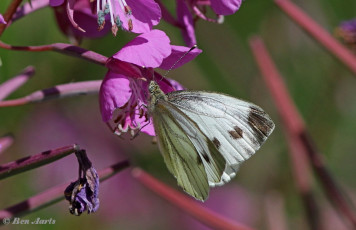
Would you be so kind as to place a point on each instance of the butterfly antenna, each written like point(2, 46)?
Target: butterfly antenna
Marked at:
point(185, 54)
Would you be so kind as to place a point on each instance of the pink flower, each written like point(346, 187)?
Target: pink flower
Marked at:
point(186, 10)
point(225, 7)
point(82, 23)
point(138, 16)
point(186, 23)
point(123, 93)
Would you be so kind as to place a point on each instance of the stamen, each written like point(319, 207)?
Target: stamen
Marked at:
point(118, 22)
point(128, 10)
point(111, 13)
point(128, 13)
point(114, 29)
point(101, 19)
point(130, 24)
point(103, 3)
point(97, 6)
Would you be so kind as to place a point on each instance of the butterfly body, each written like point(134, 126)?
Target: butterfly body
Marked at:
point(205, 136)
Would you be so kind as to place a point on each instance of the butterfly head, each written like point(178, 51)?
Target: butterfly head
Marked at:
point(156, 93)
point(153, 87)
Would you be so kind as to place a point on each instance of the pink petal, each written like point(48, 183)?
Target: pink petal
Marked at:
point(70, 12)
point(225, 7)
point(148, 49)
point(186, 22)
point(176, 85)
point(55, 3)
point(177, 53)
point(124, 68)
point(85, 20)
point(148, 129)
point(114, 92)
point(145, 15)
point(2, 20)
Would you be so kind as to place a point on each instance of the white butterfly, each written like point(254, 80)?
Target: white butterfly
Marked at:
point(205, 136)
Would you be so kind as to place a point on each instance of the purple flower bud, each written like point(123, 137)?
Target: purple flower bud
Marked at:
point(83, 193)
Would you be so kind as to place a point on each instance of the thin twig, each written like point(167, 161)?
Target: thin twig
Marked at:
point(56, 92)
point(14, 83)
point(34, 161)
point(67, 49)
point(53, 195)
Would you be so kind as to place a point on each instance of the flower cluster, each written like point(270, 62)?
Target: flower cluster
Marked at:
point(124, 89)
point(83, 18)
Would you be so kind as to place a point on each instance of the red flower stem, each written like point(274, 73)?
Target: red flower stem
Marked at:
point(292, 121)
point(8, 14)
point(34, 161)
point(14, 83)
point(205, 216)
point(63, 48)
point(56, 92)
point(318, 33)
point(297, 134)
point(53, 195)
point(28, 8)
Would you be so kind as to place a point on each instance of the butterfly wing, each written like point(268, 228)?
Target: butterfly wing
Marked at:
point(189, 155)
point(237, 128)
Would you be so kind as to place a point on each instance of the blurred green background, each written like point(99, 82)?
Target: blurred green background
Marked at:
point(322, 88)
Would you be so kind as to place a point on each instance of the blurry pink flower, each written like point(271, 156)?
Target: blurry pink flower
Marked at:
point(186, 23)
point(130, 71)
point(347, 32)
point(224, 7)
point(220, 7)
point(187, 12)
point(2, 20)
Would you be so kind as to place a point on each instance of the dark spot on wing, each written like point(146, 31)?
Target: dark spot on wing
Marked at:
point(259, 121)
point(216, 143)
point(206, 157)
point(199, 160)
point(236, 133)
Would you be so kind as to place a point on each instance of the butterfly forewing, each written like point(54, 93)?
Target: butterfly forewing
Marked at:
point(236, 128)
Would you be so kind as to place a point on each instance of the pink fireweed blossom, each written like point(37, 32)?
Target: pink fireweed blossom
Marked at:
point(123, 93)
point(82, 18)
point(138, 16)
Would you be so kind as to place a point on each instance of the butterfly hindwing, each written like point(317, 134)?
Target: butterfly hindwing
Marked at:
point(236, 128)
point(189, 154)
